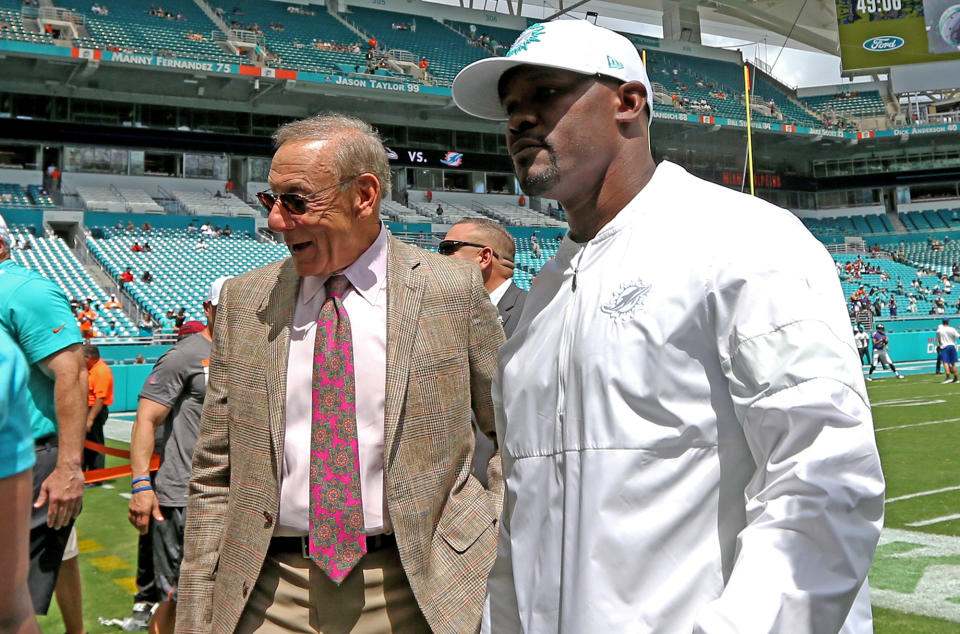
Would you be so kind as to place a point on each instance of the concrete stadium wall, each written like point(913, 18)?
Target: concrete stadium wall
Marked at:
point(149, 184)
point(30, 217)
point(21, 177)
point(912, 346)
point(110, 219)
point(127, 382)
point(946, 203)
point(839, 212)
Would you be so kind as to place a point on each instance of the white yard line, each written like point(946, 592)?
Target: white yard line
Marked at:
point(932, 422)
point(936, 520)
point(907, 399)
point(921, 494)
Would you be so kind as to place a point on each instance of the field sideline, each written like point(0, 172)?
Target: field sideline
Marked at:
point(915, 580)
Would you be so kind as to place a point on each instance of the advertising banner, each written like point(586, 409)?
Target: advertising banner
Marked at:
point(884, 33)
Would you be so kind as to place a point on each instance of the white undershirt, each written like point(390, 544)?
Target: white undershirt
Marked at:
point(497, 294)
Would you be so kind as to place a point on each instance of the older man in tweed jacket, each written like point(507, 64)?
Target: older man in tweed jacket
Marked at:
point(422, 338)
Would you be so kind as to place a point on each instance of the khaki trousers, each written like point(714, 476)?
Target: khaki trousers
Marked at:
point(293, 595)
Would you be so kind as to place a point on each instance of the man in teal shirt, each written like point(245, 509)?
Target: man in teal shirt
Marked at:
point(35, 313)
point(168, 323)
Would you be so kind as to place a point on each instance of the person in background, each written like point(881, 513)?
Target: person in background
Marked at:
point(168, 323)
point(172, 396)
point(85, 319)
point(179, 318)
point(493, 249)
point(881, 352)
point(99, 398)
point(146, 325)
point(947, 343)
point(862, 341)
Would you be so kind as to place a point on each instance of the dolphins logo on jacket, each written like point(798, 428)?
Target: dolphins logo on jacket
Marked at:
point(627, 300)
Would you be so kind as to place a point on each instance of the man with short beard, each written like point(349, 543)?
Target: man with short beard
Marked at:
point(686, 438)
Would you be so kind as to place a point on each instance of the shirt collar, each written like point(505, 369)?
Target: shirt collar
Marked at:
point(366, 274)
point(497, 294)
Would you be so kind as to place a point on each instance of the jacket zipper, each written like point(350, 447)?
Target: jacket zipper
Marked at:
point(576, 269)
point(563, 355)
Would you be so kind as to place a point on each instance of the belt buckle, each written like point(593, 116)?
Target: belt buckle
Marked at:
point(305, 546)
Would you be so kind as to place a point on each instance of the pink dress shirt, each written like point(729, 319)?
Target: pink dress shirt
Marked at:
point(366, 305)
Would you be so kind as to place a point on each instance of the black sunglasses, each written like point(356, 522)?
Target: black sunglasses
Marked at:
point(449, 247)
point(296, 204)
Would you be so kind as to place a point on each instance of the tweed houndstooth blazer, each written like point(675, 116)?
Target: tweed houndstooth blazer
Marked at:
point(442, 340)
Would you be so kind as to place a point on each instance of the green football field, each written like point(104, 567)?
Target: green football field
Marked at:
point(915, 580)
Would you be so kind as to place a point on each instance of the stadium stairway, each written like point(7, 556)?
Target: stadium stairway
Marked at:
point(52, 258)
point(181, 272)
point(445, 50)
point(296, 35)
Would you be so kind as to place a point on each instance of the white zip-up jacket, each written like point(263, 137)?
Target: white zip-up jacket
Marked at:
point(686, 437)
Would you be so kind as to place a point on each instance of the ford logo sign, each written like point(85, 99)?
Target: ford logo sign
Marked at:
point(884, 43)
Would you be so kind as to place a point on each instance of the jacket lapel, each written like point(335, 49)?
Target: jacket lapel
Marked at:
point(277, 310)
point(404, 293)
point(508, 300)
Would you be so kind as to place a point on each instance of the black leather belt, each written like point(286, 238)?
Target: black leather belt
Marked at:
point(46, 441)
point(300, 544)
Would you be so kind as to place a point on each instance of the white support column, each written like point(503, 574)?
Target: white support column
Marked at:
point(681, 21)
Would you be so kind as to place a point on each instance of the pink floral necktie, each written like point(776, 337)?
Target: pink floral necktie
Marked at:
point(337, 538)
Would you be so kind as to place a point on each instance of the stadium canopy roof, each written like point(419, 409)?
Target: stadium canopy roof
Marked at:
point(750, 20)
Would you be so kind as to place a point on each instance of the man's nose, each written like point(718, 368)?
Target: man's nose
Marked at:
point(279, 219)
point(521, 119)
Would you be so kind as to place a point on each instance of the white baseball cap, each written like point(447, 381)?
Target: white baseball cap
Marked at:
point(4, 232)
point(574, 45)
point(214, 295)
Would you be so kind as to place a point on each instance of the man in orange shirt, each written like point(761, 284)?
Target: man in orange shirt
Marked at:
point(99, 397)
point(85, 320)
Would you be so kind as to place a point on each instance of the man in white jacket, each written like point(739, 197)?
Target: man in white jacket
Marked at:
point(686, 437)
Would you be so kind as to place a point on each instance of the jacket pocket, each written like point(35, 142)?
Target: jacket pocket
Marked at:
point(465, 520)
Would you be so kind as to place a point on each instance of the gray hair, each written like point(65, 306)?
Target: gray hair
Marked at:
point(358, 150)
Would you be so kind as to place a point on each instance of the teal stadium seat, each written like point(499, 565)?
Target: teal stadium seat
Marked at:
point(54, 260)
point(446, 50)
point(302, 29)
point(181, 273)
point(129, 28)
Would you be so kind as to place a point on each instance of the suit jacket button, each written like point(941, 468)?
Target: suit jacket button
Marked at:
point(246, 589)
point(269, 519)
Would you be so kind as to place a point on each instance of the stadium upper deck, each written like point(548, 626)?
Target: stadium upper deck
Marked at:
point(313, 45)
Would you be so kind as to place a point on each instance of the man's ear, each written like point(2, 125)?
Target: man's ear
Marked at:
point(486, 257)
point(632, 102)
point(366, 194)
